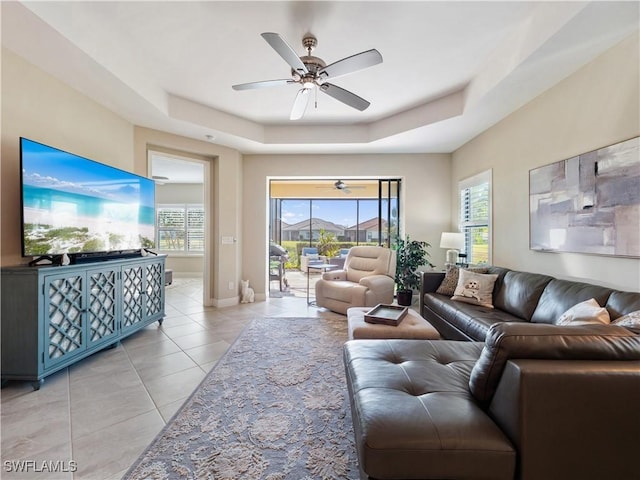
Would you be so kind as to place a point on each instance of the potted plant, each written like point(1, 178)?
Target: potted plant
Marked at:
point(327, 244)
point(410, 255)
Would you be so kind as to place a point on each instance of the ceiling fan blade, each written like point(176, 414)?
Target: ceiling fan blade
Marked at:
point(285, 51)
point(263, 84)
point(351, 64)
point(344, 96)
point(300, 104)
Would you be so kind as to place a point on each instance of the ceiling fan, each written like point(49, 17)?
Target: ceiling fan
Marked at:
point(343, 187)
point(311, 72)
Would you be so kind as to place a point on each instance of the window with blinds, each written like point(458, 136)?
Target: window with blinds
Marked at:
point(475, 217)
point(180, 229)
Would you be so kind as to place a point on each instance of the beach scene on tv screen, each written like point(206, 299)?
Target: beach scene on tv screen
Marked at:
point(75, 205)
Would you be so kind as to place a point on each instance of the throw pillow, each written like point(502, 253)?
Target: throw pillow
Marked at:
point(588, 312)
point(450, 280)
point(630, 320)
point(475, 288)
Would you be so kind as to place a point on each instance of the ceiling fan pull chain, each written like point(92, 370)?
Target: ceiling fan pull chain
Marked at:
point(316, 99)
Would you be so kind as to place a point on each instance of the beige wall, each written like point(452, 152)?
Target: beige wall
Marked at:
point(595, 107)
point(37, 106)
point(185, 265)
point(425, 207)
point(180, 193)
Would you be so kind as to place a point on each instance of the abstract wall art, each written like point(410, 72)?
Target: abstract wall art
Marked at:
point(589, 203)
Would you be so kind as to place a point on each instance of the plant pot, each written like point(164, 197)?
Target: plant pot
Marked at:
point(404, 297)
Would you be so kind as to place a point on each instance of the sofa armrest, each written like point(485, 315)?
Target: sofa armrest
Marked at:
point(505, 341)
point(379, 284)
point(335, 275)
point(571, 418)
point(429, 284)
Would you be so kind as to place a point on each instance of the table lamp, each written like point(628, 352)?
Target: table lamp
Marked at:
point(454, 241)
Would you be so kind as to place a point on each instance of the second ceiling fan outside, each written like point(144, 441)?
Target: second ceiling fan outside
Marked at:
point(343, 187)
point(312, 72)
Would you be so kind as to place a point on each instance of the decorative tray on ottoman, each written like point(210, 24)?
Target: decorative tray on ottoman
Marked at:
point(386, 314)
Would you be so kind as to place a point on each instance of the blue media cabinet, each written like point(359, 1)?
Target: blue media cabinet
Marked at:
point(53, 316)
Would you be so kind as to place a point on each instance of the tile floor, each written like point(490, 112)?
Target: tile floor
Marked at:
point(102, 412)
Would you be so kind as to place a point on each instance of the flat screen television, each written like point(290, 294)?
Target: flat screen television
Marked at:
point(78, 206)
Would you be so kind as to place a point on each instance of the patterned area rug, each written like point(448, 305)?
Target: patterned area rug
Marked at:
point(275, 407)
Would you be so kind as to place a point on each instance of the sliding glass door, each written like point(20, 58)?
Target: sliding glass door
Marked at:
point(388, 210)
point(323, 219)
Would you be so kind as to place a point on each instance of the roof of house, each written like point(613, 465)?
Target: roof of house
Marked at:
point(316, 224)
point(370, 224)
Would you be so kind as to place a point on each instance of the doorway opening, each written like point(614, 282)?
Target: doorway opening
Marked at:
point(318, 220)
point(182, 212)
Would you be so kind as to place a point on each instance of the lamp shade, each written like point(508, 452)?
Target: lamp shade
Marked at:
point(453, 240)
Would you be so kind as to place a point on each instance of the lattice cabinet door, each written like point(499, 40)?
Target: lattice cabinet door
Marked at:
point(133, 299)
point(154, 288)
point(103, 305)
point(65, 317)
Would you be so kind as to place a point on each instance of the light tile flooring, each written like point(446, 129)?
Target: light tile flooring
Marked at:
point(102, 412)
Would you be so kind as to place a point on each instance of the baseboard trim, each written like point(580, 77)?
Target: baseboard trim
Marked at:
point(226, 302)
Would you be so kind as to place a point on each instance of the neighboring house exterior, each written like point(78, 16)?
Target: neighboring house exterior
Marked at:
point(367, 231)
point(310, 229)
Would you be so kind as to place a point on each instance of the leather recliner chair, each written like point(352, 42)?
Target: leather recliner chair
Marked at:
point(368, 278)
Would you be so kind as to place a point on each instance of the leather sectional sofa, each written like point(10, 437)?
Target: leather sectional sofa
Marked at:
point(517, 297)
point(529, 401)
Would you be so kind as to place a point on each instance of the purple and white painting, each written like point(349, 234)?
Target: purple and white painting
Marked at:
point(589, 203)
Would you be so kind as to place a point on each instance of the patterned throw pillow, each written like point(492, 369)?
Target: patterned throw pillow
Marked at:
point(588, 312)
point(475, 288)
point(630, 320)
point(450, 281)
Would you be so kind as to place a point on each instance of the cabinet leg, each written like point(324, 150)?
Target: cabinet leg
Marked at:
point(4, 382)
point(160, 321)
point(37, 384)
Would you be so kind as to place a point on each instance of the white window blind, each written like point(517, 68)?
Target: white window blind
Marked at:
point(195, 229)
point(475, 217)
point(180, 228)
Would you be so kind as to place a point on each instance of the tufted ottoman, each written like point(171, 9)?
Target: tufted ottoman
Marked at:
point(414, 416)
point(413, 326)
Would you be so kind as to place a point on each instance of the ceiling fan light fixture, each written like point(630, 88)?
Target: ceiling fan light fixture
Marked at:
point(308, 81)
point(310, 72)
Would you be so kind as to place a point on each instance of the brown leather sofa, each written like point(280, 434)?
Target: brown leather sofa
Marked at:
point(517, 297)
point(533, 401)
